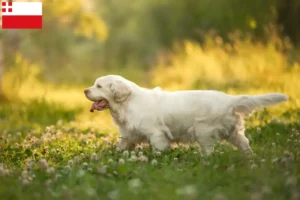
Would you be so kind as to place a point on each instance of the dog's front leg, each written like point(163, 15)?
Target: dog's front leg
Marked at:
point(125, 142)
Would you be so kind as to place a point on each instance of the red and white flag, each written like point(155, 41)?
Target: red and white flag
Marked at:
point(22, 15)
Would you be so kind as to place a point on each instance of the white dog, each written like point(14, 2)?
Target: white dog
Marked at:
point(162, 117)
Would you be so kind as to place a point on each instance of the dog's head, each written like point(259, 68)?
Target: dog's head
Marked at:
point(107, 91)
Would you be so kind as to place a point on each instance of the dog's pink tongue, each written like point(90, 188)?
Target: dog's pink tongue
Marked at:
point(102, 103)
point(93, 107)
point(98, 105)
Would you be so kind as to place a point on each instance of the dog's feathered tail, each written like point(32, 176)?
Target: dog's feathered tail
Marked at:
point(247, 104)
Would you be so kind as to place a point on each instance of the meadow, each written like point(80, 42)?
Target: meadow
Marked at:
point(52, 147)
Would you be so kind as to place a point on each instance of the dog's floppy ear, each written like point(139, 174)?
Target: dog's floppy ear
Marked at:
point(120, 91)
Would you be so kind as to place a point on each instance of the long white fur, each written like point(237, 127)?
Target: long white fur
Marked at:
point(162, 117)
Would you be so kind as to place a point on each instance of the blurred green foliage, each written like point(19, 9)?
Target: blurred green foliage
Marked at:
point(236, 46)
point(37, 114)
point(80, 38)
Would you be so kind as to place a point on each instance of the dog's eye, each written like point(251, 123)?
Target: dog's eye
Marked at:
point(99, 86)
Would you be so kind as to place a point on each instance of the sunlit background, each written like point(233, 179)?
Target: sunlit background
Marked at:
point(248, 46)
point(52, 147)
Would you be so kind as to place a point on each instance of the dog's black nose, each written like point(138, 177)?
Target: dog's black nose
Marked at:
point(86, 91)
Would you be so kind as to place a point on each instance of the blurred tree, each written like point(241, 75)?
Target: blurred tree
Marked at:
point(289, 18)
point(65, 23)
point(140, 29)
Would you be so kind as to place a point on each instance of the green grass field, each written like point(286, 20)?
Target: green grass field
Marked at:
point(45, 153)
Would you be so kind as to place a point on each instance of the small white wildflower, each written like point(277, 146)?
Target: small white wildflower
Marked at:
point(132, 153)
point(67, 168)
point(140, 153)
point(80, 173)
point(135, 183)
point(94, 157)
point(3, 170)
point(29, 164)
point(53, 151)
point(273, 144)
point(125, 153)
point(76, 159)
point(82, 155)
point(110, 160)
point(59, 122)
point(30, 178)
point(103, 170)
point(24, 173)
point(121, 161)
point(158, 153)
point(262, 160)
point(70, 162)
point(113, 194)
point(133, 158)
point(266, 189)
point(90, 191)
point(291, 181)
point(43, 164)
point(275, 160)
point(253, 166)
point(154, 162)
point(277, 134)
point(258, 130)
point(175, 159)
point(25, 181)
point(231, 168)
point(143, 158)
point(189, 190)
point(85, 165)
point(57, 176)
point(50, 170)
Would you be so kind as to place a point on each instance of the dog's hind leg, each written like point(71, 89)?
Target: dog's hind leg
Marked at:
point(205, 135)
point(238, 138)
point(241, 142)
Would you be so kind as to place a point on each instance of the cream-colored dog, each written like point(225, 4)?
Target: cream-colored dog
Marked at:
point(162, 117)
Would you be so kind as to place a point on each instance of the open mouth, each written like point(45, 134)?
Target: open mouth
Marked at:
point(100, 105)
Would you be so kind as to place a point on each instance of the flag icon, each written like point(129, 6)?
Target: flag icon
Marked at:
point(22, 15)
